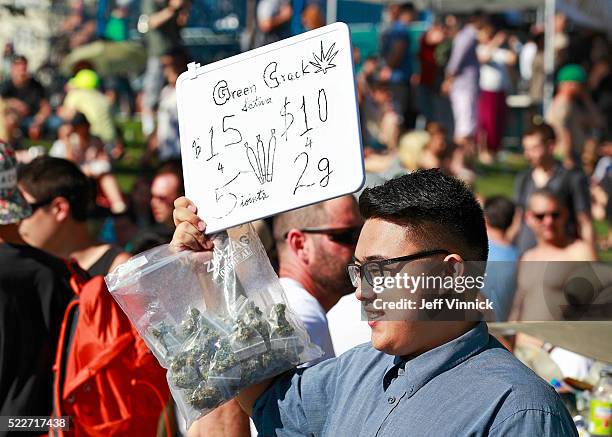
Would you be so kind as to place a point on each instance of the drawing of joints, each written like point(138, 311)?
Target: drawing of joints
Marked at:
point(262, 159)
point(323, 62)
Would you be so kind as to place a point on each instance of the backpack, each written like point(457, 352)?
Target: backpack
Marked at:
point(105, 378)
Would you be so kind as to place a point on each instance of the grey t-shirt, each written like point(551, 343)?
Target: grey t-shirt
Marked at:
point(571, 186)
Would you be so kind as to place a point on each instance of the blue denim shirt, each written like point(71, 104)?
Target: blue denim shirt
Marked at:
point(470, 386)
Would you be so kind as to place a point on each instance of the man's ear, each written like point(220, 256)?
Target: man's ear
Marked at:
point(454, 265)
point(296, 240)
point(61, 209)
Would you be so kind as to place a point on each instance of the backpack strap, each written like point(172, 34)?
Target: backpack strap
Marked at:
point(78, 276)
point(66, 334)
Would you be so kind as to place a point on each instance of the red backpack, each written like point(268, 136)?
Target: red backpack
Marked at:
point(105, 377)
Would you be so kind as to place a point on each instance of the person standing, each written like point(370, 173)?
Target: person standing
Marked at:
point(500, 281)
point(34, 292)
point(540, 294)
point(571, 185)
point(166, 140)
point(461, 84)
point(398, 66)
point(446, 377)
point(573, 115)
point(273, 21)
point(494, 85)
point(314, 245)
point(161, 22)
point(62, 196)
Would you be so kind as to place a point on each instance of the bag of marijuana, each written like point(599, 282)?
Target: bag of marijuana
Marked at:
point(217, 321)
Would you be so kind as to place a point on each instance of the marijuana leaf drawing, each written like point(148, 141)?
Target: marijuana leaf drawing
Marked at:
point(324, 61)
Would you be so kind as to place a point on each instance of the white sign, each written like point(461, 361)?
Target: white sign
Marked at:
point(272, 129)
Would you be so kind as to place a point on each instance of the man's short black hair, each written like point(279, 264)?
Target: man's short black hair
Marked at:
point(436, 209)
point(499, 212)
point(46, 178)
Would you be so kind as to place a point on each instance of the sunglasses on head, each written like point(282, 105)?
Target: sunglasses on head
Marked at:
point(348, 236)
point(553, 214)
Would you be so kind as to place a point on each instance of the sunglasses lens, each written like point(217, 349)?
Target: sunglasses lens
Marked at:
point(345, 237)
point(555, 215)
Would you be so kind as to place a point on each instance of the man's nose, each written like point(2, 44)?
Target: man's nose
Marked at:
point(364, 293)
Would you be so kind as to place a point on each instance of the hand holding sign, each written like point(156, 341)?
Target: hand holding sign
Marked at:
point(272, 129)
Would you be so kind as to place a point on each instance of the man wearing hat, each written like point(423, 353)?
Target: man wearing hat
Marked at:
point(34, 292)
point(573, 115)
point(83, 96)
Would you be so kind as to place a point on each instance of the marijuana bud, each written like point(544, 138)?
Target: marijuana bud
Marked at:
point(184, 371)
point(255, 318)
point(205, 397)
point(224, 359)
point(282, 327)
point(192, 324)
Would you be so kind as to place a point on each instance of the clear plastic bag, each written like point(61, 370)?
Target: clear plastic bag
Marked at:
point(218, 321)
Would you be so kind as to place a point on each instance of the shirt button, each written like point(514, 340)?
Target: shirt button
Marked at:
point(400, 372)
point(391, 399)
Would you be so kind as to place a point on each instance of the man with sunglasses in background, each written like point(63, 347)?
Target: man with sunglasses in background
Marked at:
point(61, 197)
point(571, 185)
point(314, 245)
point(417, 378)
point(166, 186)
point(543, 268)
point(34, 292)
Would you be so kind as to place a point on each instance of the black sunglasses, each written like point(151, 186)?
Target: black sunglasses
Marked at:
point(37, 205)
point(376, 268)
point(554, 214)
point(348, 236)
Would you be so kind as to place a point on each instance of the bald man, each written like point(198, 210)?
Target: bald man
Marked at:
point(315, 243)
point(545, 269)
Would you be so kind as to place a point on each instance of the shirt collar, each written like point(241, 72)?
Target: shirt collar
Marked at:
point(427, 366)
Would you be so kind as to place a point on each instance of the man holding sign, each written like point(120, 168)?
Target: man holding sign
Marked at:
point(414, 374)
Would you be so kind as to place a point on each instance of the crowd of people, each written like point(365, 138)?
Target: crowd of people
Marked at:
point(436, 103)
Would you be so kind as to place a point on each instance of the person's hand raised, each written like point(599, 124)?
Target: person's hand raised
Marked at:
point(189, 232)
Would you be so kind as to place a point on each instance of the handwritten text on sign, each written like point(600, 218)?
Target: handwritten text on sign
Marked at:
point(272, 129)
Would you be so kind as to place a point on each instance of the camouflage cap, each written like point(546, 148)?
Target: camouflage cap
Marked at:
point(13, 207)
